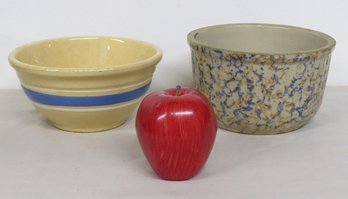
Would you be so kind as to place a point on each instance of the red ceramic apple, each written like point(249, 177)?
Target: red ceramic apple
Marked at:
point(176, 129)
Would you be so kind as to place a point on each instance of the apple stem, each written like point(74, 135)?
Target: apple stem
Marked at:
point(178, 87)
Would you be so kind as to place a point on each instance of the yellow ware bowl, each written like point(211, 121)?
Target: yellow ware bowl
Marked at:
point(86, 84)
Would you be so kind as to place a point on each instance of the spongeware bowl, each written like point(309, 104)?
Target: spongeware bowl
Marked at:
point(261, 78)
point(85, 84)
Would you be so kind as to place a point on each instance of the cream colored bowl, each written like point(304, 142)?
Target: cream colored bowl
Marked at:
point(85, 84)
point(261, 78)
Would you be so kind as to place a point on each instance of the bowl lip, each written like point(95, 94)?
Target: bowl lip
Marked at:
point(84, 71)
point(191, 38)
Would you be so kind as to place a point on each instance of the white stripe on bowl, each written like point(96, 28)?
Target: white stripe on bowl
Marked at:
point(87, 108)
point(114, 90)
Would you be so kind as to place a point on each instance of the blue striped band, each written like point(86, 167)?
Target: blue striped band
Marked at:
point(59, 100)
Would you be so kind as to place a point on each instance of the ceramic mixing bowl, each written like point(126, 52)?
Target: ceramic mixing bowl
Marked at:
point(85, 84)
point(261, 78)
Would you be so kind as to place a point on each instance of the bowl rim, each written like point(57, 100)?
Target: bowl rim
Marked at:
point(84, 71)
point(191, 38)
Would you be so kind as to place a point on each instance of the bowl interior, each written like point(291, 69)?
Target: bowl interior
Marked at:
point(262, 38)
point(85, 52)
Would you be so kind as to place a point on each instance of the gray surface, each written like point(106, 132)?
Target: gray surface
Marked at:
point(39, 161)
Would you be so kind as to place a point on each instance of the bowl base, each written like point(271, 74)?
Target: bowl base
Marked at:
point(268, 131)
point(87, 119)
point(87, 130)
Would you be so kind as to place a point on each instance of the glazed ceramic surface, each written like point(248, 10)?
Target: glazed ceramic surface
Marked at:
point(86, 84)
point(261, 78)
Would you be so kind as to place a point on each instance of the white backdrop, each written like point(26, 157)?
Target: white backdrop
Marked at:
point(165, 23)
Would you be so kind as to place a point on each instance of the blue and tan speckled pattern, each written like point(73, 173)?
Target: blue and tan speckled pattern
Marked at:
point(261, 94)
